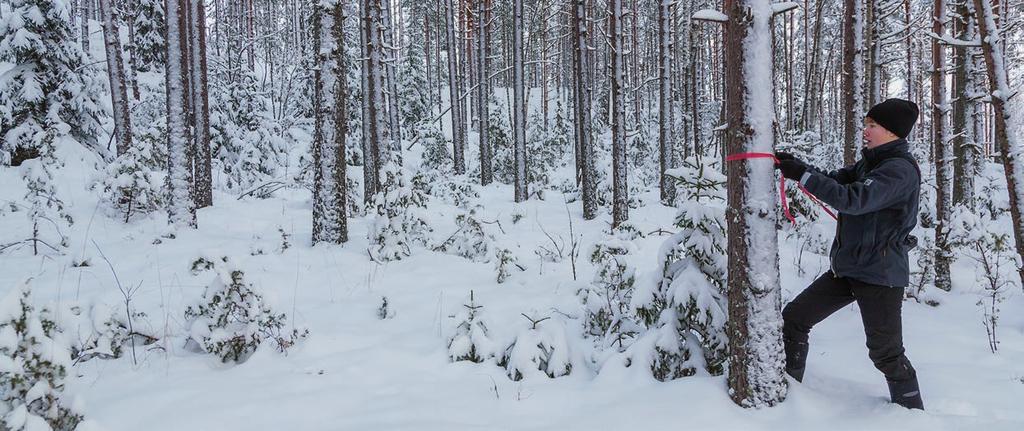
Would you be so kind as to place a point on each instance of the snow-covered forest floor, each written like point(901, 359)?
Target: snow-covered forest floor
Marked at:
point(357, 371)
point(368, 367)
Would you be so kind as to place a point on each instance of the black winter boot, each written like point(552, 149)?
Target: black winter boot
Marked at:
point(796, 358)
point(906, 393)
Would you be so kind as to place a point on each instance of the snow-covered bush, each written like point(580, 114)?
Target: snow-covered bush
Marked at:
point(436, 154)
point(547, 149)
point(504, 262)
point(34, 362)
point(399, 222)
point(232, 319)
point(471, 341)
point(247, 142)
point(542, 349)
point(100, 331)
point(150, 44)
point(455, 190)
point(129, 186)
point(606, 299)
point(470, 239)
point(685, 307)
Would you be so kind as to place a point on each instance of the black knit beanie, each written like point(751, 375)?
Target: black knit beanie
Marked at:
point(896, 115)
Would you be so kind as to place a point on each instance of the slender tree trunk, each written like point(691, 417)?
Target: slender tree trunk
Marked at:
point(853, 77)
point(389, 60)
point(370, 125)
point(944, 256)
point(519, 112)
point(756, 359)
point(1006, 143)
point(115, 71)
point(965, 83)
point(84, 24)
point(455, 94)
point(482, 93)
point(200, 105)
point(666, 138)
point(620, 191)
point(132, 58)
point(585, 145)
point(374, 68)
point(181, 211)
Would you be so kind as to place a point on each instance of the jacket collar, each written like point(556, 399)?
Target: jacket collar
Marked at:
point(885, 150)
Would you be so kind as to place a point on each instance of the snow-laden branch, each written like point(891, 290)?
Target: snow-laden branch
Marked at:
point(709, 15)
point(947, 40)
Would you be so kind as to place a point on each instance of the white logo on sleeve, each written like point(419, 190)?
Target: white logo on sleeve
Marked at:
point(868, 181)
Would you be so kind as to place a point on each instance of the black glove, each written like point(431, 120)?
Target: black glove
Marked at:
point(792, 168)
point(781, 155)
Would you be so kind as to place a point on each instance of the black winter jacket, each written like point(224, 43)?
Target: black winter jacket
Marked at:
point(877, 200)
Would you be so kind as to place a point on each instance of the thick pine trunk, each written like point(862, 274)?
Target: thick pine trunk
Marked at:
point(84, 24)
point(756, 359)
point(374, 68)
point(181, 211)
point(115, 71)
point(1005, 141)
point(329, 181)
point(519, 110)
point(369, 123)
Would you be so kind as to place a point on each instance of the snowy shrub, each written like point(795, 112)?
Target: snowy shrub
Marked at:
point(539, 350)
point(470, 240)
point(51, 92)
point(685, 307)
point(232, 319)
point(471, 341)
point(150, 44)
point(399, 222)
point(502, 144)
point(34, 362)
point(546, 149)
point(455, 190)
point(129, 186)
point(436, 154)
point(103, 332)
point(384, 311)
point(606, 299)
point(247, 142)
point(504, 262)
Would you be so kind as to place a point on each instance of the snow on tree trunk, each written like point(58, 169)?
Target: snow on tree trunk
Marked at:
point(374, 97)
point(519, 105)
point(84, 25)
point(200, 105)
point(966, 81)
point(873, 48)
point(181, 210)
point(620, 198)
point(369, 124)
point(853, 77)
point(665, 121)
point(943, 257)
point(329, 181)
point(1006, 141)
point(115, 71)
point(389, 61)
point(756, 359)
point(482, 102)
point(584, 141)
point(455, 89)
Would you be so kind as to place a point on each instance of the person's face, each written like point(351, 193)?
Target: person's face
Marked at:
point(875, 134)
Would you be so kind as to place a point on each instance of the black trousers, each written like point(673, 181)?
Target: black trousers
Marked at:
point(880, 308)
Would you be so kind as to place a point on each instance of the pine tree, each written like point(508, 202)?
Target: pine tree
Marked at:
point(329, 177)
point(150, 44)
point(35, 365)
point(52, 92)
